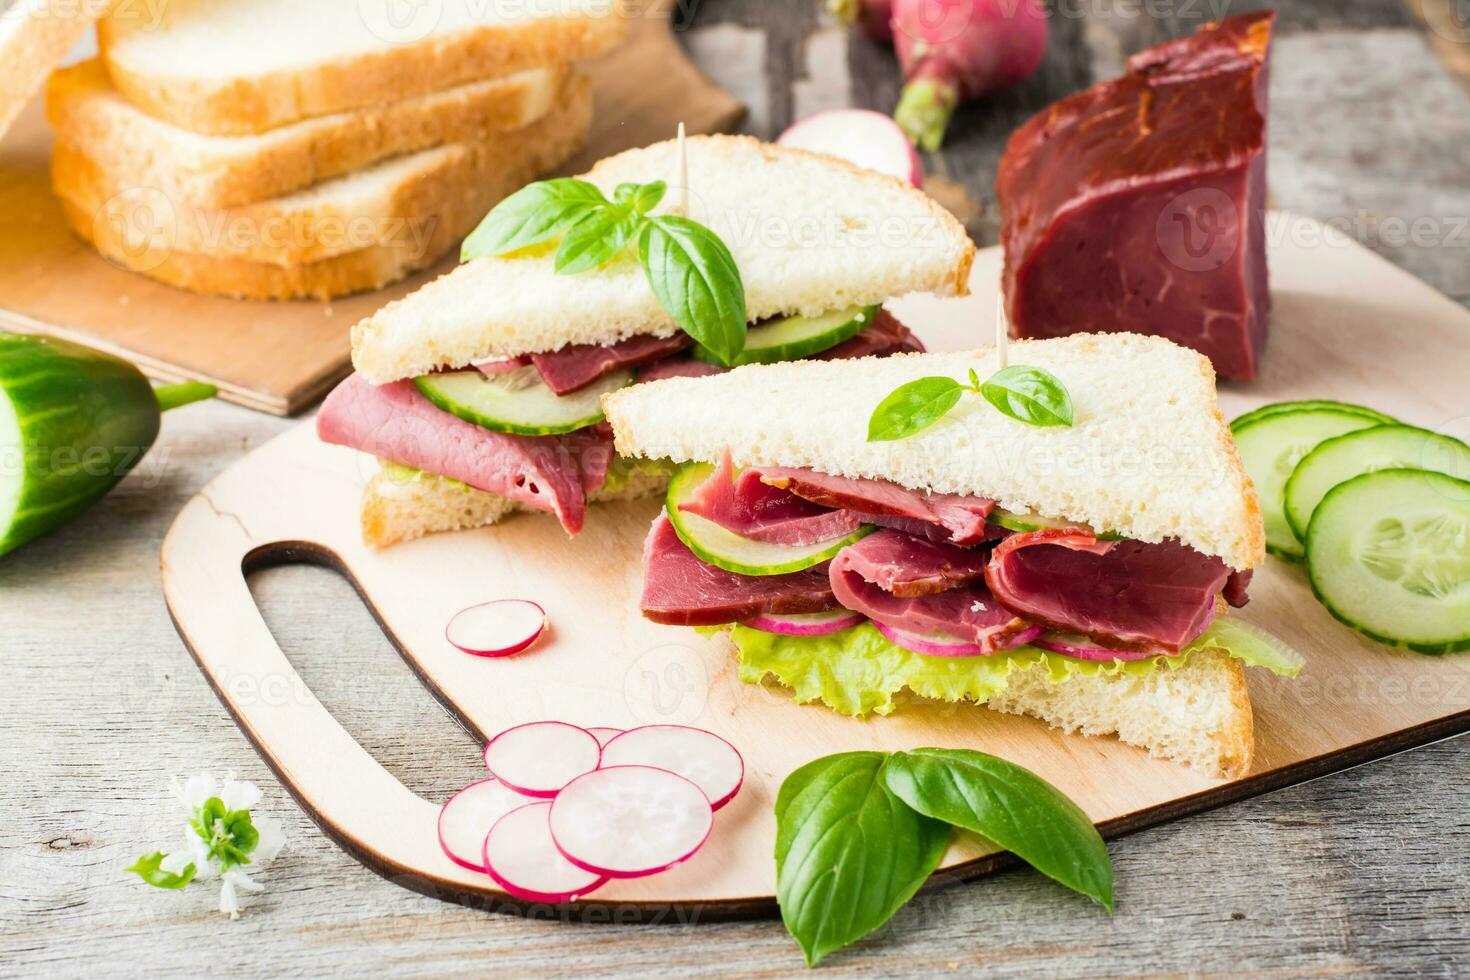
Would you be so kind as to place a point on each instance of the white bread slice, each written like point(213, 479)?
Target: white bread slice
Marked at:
point(1198, 714)
point(809, 233)
point(398, 507)
point(214, 172)
point(34, 36)
point(230, 67)
point(496, 171)
point(1148, 456)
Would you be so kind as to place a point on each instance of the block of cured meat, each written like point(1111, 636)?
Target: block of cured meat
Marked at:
point(1139, 204)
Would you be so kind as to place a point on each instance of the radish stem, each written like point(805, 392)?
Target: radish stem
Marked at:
point(923, 112)
point(174, 396)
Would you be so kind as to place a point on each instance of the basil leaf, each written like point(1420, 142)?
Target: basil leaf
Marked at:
point(1011, 806)
point(848, 852)
point(149, 868)
point(595, 240)
point(642, 198)
point(913, 407)
point(532, 215)
point(695, 279)
point(1029, 394)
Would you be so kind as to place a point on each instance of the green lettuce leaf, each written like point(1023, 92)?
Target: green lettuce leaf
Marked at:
point(858, 672)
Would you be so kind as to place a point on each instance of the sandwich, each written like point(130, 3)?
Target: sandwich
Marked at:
point(481, 392)
point(1061, 539)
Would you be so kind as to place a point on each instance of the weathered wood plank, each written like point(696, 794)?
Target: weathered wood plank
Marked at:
point(1362, 872)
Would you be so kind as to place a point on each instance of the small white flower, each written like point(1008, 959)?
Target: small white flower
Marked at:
point(207, 842)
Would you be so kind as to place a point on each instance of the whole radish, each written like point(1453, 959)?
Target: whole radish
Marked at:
point(872, 17)
point(956, 50)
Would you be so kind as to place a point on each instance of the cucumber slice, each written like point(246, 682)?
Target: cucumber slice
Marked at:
point(1389, 555)
point(1271, 446)
point(1279, 408)
point(1017, 521)
point(73, 422)
point(518, 401)
point(728, 550)
point(787, 338)
point(1383, 447)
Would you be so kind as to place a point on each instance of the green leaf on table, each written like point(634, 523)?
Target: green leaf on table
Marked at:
point(595, 240)
point(149, 868)
point(534, 214)
point(695, 279)
point(1010, 806)
point(849, 853)
point(1029, 394)
point(913, 407)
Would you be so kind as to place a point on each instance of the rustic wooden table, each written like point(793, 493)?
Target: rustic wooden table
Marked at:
point(1364, 871)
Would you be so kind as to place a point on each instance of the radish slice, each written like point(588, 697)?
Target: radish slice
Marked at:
point(605, 735)
point(539, 758)
point(703, 758)
point(861, 136)
point(630, 821)
point(522, 858)
point(806, 624)
point(469, 815)
point(947, 645)
point(1083, 648)
point(497, 629)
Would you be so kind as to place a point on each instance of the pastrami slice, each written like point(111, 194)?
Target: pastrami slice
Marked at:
point(681, 590)
point(1125, 595)
point(742, 504)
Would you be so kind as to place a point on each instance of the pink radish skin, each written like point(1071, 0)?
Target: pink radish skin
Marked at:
point(807, 624)
point(501, 628)
point(1082, 648)
point(871, 17)
point(521, 857)
point(605, 735)
point(942, 645)
point(702, 757)
point(539, 758)
point(953, 51)
point(630, 821)
point(469, 814)
point(860, 136)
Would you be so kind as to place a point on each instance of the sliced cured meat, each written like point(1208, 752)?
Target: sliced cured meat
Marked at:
point(681, 590)
point(1127, 595)
point(1139, 204)
point(968, 613)
point(396, 422)
point(592, 448)
point(884, 336)
point(962, 519)
point(1237, 587)
point(906, 566)
point(744, 505)
point(678, 367)
point(578, 365)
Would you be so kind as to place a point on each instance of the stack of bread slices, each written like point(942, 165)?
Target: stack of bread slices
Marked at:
point(274, 149)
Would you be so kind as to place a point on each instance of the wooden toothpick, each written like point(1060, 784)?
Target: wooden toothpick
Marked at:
point(1002, 332)
point(681, 175)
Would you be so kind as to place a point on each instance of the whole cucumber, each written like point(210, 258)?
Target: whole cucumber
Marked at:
point(73, 422)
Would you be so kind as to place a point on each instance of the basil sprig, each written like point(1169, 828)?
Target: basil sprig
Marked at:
point(858, 833)
point(1027, 394)
point(691, 272)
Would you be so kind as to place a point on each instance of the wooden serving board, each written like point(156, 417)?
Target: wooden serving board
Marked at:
point(280, 357)
point(1346, 325)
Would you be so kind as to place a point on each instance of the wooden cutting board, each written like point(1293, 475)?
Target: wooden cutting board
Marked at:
point(280, 357)
point(1346, 325)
